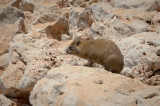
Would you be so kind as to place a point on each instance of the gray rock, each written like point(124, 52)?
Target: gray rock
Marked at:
point(95, 12)
point(147, 5)
point(6, 102)
point(140, 55)
point(82, 86)
point(73, 20)
point(9, 15)
point(44, 14)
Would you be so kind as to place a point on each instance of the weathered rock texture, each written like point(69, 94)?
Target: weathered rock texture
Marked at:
point(77, 86)
point(148, 5)
point(9, 15)
point(35, 34)
point(6, 102)
point(142, 58)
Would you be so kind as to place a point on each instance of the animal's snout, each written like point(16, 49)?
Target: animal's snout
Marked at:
point(68, 51)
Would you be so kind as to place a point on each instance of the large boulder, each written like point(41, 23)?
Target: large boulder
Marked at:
point(9, 15)
point(73, 20)
point(6, 102)
point(95, 12)
point(75, 85)
point(44, 14)
point(124, 23)
point(147, 5)
point(32, 56)
point(85, 3)
point(4, 62)
point(141, 55)
point(8, 32)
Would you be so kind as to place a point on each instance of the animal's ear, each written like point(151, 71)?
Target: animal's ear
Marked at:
point(78, 43)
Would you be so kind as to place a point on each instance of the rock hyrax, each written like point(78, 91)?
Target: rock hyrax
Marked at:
point(101, 51)
point(15, 93)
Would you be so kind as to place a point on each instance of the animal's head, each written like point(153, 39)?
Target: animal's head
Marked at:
point(10, 92)
point(73, 47)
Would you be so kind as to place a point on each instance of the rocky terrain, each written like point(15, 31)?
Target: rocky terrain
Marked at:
point(36, 33)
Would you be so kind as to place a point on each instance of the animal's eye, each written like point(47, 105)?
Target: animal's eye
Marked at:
point(78, 43)
point(71, 48)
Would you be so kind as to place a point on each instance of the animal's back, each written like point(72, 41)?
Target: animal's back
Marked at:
point(101, 51)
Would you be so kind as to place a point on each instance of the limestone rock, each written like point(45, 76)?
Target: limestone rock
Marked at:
point(43, 18)
point(9, 15)
point(73, 20)
point(37, 55)
point(156, 22)
point(13, 74)
point(8, 32)
point(85, 3)
point(29, 54)
point(44, 14)
point(6, 102)
point(131, 14)
point(147, 5)
point(29, 17)
point(124, 23)
point(95, 12)
point(140, 55)
point(4, 60)
point(71, 86)
point(65, 37)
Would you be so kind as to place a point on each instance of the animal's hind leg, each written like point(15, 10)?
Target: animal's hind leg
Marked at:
point(107, 68)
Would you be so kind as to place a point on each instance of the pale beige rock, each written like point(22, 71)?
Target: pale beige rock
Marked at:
point(65, 37)
point(85, 3)
point(156, 22)
point(45, 2)
point(8, 32)
point(9, 15)
point(6, 102)
point(4, 60)
point(38, 53)
point(44, 14)
point(73, 20)
point(141, 58)
point(71, 86)
point(28, 21)
point(13, 74)
point(147, 5)
point(116, 29)
point(95, 12)
point(4, 2)
point(131, 14)
point(124, 23)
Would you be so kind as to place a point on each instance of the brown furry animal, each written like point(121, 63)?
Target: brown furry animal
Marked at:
point(22, 95)
point(101, 51)
point(15, 93)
